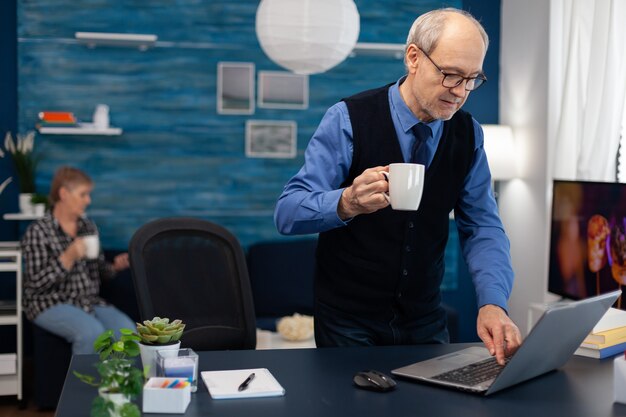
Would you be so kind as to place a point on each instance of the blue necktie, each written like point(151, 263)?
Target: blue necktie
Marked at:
point(419, 153)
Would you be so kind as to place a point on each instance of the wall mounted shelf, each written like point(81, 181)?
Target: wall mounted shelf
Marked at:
point(395, 50)
point(132, 40)
point(20, 216)
point(81, 129)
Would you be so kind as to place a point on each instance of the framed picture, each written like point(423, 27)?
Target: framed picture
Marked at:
point(271, 139)
point(235, 88)
point(283, 90)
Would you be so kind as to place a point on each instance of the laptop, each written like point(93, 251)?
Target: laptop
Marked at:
point(550, 344)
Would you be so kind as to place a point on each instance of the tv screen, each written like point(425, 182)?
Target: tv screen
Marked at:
point(587, 239)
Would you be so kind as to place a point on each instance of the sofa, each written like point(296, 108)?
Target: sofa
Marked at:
point(281, 276)
point(52, 354)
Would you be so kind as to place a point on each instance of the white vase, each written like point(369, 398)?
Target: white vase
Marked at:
point(39, 209)
point(117, 399)
point(148, 356)
point(26, 206)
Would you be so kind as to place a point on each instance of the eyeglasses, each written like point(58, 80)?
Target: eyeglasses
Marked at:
point(453, 80)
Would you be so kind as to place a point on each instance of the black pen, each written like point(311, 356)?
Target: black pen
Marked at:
point(245, 383)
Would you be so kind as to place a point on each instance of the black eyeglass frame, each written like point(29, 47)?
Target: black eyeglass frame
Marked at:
point(480, 78)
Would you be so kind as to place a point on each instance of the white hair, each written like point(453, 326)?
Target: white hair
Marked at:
point(427, 29)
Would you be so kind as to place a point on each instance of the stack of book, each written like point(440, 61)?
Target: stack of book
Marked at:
point(608, 337)
point(57, 119)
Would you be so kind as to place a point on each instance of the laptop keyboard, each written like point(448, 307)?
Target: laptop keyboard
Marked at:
point(473, 374)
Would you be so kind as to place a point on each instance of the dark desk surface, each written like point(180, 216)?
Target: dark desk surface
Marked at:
point(318, 382)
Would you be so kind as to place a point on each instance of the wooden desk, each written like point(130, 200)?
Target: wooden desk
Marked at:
point(318, 382)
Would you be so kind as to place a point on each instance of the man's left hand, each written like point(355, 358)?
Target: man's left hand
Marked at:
point(500, 335)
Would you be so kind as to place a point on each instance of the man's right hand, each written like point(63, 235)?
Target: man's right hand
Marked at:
point(365, 195)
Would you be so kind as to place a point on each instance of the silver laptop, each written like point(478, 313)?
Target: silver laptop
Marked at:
point(474, 369)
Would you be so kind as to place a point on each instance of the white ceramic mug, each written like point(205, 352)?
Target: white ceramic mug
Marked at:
point(92, 245)
point(406, 184)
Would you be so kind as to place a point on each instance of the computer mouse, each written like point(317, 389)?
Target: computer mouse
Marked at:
point(374, 381)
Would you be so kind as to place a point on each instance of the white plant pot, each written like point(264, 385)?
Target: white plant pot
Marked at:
point(39, 209)
point(26, 206)
point(117, 399)
point(148, 356)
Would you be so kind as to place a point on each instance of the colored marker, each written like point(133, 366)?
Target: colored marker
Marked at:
point(173, 384)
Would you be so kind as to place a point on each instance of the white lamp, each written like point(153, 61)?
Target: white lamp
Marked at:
point(500, 150)
point(307, 36)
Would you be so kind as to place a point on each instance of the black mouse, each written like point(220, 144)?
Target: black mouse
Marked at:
point(374, 381)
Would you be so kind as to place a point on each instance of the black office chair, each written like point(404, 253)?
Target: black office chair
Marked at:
point(194, 270)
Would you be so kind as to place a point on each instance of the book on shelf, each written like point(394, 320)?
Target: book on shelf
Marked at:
point(40, 125)
point(7, 306)
point(57, 117)
point(603, 345)
point(612, 319)
point(606, 336)
point(601, 353)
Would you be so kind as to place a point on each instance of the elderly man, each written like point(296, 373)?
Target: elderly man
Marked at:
point(379, 270)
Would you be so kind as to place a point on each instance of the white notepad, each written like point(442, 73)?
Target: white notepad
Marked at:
point(225, 384)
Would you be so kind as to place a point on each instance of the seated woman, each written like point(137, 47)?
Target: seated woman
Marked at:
point(61, 285)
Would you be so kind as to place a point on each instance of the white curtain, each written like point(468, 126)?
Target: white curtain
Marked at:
point(588, 53)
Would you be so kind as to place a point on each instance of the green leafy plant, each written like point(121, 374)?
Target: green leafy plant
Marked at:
point(159, 331)
point(39, 199)
point(117, 373)
point(6, 182)
point(21, 151)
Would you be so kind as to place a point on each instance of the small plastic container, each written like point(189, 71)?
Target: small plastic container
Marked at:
point(160, 396)
point(181, 363)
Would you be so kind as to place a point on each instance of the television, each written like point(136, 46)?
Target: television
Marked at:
point(587, 239)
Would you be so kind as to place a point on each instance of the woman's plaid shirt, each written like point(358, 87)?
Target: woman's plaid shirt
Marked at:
point(46, 281)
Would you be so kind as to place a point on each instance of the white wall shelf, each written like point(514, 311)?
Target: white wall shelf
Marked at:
point(133, 40)
point(393, 50)
point(20, 216)
point(81, 129)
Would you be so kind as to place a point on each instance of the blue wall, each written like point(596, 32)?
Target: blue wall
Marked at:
point(177, 156)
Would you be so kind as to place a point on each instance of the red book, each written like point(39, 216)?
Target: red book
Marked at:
point(57, 117)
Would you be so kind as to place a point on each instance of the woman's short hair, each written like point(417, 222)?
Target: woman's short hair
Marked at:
point(68, 177)
point(427, 29)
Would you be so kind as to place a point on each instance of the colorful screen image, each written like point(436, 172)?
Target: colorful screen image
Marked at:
point(587, 239)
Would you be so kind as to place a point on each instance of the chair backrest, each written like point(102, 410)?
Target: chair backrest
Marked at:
point(281, 275)
point(194, 270)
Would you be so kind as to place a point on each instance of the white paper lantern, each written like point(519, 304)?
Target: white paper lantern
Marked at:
point(307, 36)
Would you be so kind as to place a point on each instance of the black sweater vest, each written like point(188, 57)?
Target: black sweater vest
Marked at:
point(393, 259)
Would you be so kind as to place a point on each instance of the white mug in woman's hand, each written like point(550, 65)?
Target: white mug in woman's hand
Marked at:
point(92, 246)
point(406, 184)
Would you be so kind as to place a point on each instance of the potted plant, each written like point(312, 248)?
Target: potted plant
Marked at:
point(21, 151)
point(120, 381)
point(8, 180)
point(157, 334)
point(40, 204)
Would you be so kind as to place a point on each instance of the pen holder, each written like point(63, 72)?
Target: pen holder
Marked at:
point(166, 395)
point(181, 363)
point(619, 379)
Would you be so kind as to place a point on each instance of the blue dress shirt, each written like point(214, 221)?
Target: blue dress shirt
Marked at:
point(309, 201)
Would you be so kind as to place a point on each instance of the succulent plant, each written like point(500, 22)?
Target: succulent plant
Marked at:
point(159, 331)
